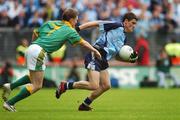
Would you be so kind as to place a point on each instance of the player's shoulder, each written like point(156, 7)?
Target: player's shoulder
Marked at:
point(119, 31)
point(69, 29)
point(55, 22)
point(50, 24)
point(112, 25)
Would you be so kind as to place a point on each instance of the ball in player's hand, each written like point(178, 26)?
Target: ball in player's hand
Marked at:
point(125, 52)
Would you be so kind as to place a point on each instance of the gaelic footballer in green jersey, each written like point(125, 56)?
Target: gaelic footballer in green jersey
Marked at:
point(46, 39)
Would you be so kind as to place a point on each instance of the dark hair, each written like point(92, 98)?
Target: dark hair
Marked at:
point(69, 13)
point(129, 16)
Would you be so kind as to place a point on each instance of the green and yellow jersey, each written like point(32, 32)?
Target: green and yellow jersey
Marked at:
point(53, 34)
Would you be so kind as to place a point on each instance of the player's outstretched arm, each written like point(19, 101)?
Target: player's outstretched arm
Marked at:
point(88, 46)
point(89, 25)
point(107, 25)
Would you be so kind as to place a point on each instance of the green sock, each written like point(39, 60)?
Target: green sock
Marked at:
point(21, 95)
point(24, 80)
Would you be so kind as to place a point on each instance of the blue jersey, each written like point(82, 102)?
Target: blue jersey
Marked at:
point(109, 43)
point(111, 39)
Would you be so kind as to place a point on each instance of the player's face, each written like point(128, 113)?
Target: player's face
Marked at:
point(74, 22)
point(129, 25)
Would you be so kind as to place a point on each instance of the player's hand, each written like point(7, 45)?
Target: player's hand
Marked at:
point(97, 54)
point(133, 57)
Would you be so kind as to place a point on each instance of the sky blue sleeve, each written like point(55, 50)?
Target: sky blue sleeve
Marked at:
point(105, 26)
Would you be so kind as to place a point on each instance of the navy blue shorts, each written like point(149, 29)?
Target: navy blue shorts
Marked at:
point(93, 63)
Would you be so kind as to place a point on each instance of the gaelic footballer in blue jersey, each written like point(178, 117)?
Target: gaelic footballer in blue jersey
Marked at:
point(112, 38)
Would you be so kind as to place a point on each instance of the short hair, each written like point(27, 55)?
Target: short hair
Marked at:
point(69, 13)
point(129, 16)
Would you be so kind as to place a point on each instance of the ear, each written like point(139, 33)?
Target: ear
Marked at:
point(125, 22)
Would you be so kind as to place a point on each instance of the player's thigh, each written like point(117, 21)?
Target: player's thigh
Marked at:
point(104, 78)
point(35, 58)
point(37, 77)
point(94, 77)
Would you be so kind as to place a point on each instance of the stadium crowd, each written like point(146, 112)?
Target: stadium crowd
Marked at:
point(33, 13)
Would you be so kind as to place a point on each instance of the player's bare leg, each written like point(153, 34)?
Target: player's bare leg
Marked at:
point(104, 85)
point(92, 84)
point(36, 80)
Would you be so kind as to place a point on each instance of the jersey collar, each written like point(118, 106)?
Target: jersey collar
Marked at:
point(67, 23)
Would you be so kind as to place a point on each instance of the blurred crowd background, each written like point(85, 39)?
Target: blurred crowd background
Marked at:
point(158, 26)
point(156, 37)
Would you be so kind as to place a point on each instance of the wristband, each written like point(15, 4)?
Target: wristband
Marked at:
point(77, 29)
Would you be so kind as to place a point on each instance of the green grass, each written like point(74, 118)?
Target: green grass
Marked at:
point(116, 104)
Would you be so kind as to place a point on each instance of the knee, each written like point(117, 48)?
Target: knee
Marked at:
point(106, 87)
point(37, 87)
point(94, 86)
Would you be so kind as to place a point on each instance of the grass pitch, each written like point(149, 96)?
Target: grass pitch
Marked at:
point(116, 104)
